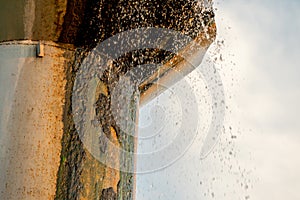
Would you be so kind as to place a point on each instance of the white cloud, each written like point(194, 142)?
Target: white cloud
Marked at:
point(262, 94)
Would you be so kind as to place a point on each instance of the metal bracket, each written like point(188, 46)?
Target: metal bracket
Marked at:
point(40, 50)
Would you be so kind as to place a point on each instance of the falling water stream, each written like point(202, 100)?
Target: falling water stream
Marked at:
point(104, 87)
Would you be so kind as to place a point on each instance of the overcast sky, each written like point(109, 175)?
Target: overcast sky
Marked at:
point(257, 156)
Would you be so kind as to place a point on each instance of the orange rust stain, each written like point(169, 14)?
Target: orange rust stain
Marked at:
point(112, 176)
point(36, 127)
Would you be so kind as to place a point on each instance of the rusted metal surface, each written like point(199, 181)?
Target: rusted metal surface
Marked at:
point(80, 26)
point(178, 66)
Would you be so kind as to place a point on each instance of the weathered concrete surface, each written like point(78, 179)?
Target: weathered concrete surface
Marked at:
point(11, 20)
point(31, 19)
point(99, 21)
point(81, 176)
point(85, 23)
point(32, 104)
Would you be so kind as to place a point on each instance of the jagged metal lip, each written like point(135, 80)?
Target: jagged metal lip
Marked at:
point(170, 73)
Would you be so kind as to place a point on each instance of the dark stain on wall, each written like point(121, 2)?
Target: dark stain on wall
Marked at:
point(85, 23)
point(88, 22)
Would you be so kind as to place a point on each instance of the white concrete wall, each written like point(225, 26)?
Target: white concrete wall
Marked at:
point(31, 108)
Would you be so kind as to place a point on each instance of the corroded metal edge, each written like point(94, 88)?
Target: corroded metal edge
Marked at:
point(178, 66)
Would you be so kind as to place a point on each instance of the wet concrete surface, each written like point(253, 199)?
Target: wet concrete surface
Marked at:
point(82, 24)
